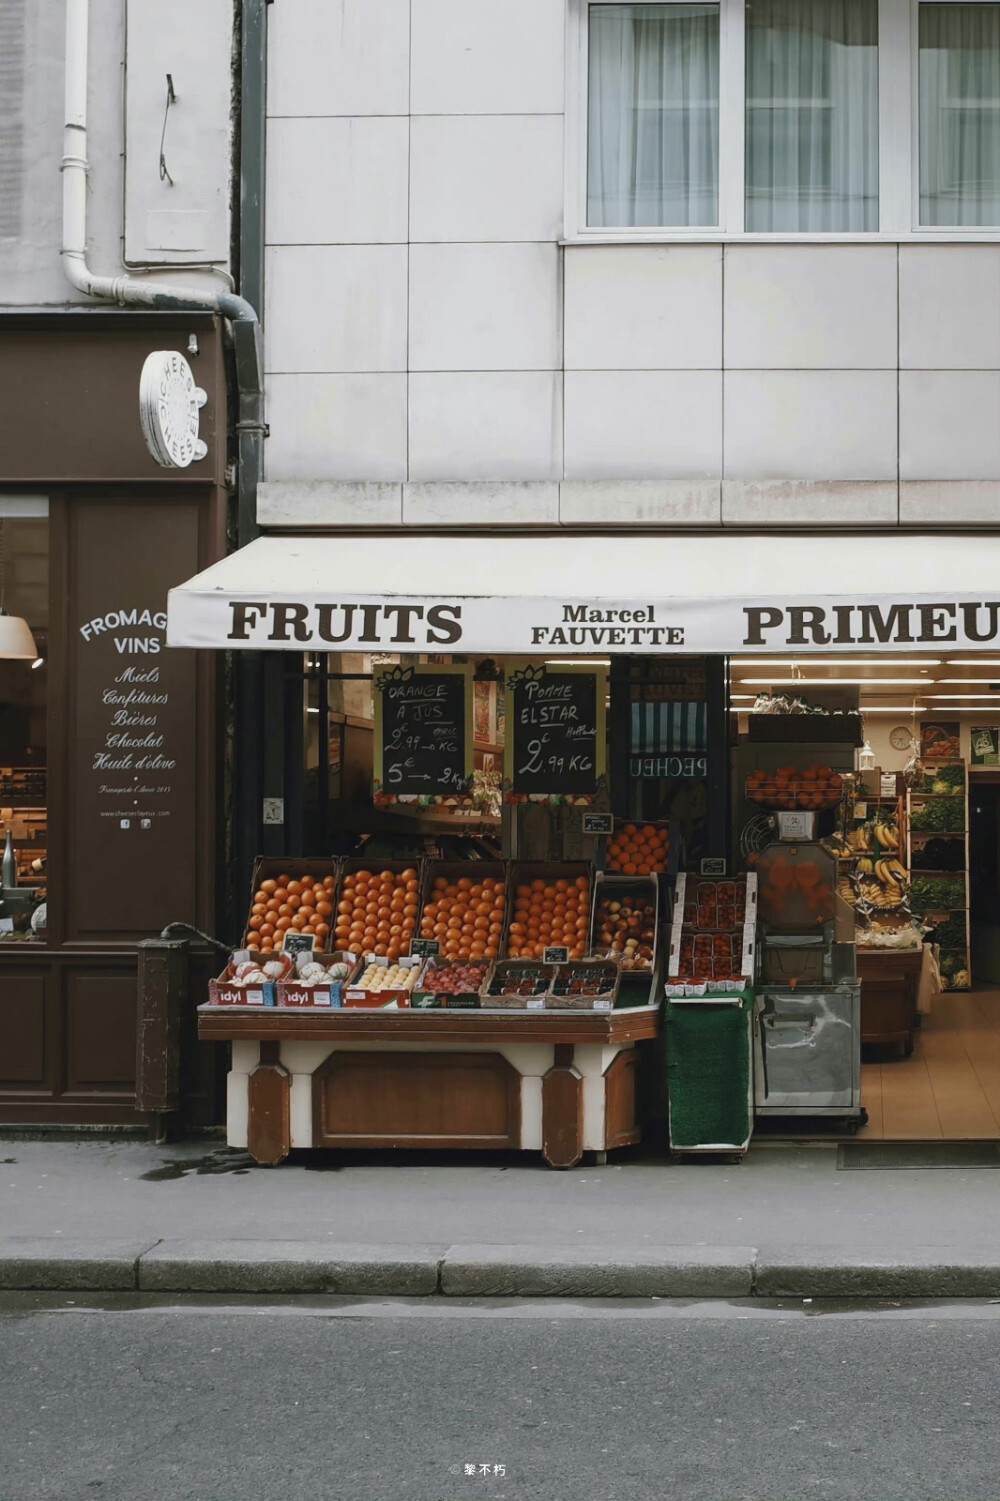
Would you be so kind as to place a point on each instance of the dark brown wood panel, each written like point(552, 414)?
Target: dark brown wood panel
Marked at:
point(417, 1099)
point(256, 1024)
point(100, 1031)
point(269, 1127)
point(620, 1124)
point(562, 1111)
point(889, 984)
point(22, 1031)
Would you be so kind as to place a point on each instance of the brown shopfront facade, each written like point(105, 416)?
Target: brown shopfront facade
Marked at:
point(109, 743)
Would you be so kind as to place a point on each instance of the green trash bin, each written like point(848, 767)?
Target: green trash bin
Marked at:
point(709, 1046)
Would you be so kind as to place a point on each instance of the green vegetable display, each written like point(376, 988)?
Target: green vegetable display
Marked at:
point(951, 934)
point(936, 894)
point(945, 779)
point(941, 814)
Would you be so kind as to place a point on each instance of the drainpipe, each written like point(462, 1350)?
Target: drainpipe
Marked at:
point(125, 290)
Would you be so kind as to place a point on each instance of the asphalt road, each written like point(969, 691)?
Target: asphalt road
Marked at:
point(322, 1401)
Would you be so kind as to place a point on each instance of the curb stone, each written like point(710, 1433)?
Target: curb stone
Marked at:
point(267, 1266)
point(927, 1272)
point(52, 1264)
point(490, 1271)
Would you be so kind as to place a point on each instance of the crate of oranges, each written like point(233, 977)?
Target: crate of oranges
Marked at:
point(638, 849)
point(377, 907)
point(795, 787)
point(550, 908)
point(464, 903)
point(291, 894)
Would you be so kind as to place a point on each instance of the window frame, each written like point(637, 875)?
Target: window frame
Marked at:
point(898, 135)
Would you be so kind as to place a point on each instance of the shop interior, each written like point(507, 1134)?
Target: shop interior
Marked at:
point(24, 596)
point(940, 1077)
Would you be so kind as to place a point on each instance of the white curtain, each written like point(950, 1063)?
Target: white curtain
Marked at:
point(653, 139)
point(959, 114)
point(812, 115)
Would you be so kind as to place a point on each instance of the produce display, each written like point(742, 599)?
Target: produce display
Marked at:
point(710, 956)
point(955, 973)
point(937, 894)
point(377, 912)
point(466, 916)
point(940, 814)
point(453, 979)
point(878, 878)
point(401, 976)
point(304, 904)
point(581, 985)
point(519, 980)
point(712, 929)
point(313, 973)
point(950, 933)
point(938, 854)
point(714, 904)
point(944, 781)
point(253, 972)
point(549, 913)
point(638, 849)
point(625, 929)
point(795, 787)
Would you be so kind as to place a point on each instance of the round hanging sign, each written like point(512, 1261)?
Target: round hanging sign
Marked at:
point(169, 403)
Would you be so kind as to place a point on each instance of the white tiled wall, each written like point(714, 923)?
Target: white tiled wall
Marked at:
point(426, 329)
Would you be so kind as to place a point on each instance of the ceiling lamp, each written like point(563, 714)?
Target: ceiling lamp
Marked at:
point(16, 641)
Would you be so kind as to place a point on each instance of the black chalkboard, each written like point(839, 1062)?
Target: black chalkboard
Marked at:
point(423, 733)
point(555, 732)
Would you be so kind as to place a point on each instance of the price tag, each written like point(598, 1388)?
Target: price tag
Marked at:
point(598, 823)
point(556, 955)
point(298, 943)
point(861, 810)
point(6, 925)
point(713, 866)
point(536, 1003)
point(425, 948)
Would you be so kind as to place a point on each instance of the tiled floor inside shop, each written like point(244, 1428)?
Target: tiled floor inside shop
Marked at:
point(949, 1088)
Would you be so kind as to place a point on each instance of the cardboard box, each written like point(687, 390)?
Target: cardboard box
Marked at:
point(270, 867)
point(222, 992)
point(292, 992)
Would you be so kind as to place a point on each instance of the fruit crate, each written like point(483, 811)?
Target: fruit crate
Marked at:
point(646, 842)
point(352, 930)
point(269, 868)
point(471, 977)
point(517, 985)
point(585, 985)
point(224, 992)
point(455, 871)
point(809, 787)
point(525, 874)
point(326, 994)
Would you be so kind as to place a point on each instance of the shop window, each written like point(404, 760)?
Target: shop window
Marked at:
point(24, 580)
point(959, 84)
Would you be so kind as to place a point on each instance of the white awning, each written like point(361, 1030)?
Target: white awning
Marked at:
point(595, 593)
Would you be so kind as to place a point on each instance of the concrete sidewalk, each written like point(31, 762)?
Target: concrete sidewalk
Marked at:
point(199, 1218)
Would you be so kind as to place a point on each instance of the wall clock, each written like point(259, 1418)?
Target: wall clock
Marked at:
point(901, 738)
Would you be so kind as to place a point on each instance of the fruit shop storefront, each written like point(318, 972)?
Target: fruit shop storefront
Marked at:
point(514, 818)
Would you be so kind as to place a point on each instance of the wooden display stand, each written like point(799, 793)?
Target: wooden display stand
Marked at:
point(557, 1082)
point(890, 981)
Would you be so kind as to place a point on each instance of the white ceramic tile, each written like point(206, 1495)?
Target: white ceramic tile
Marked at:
point(484, 307)
point(337, 181)
point(485, 426)
point(949, 424)
point(477, 57)
point(810, 307)
point(949, 297)
point(810, 424)
point(640, 502)
point(809, 502)
point(949, 502)
point(338, 57)
point(336, 427)
point(648, 307)
point(643, 424)
point(486, 177)
point(292, 503)
point(511, 503)
point(336, 308)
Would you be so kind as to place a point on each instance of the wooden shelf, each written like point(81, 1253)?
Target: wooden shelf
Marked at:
point(272, 1023)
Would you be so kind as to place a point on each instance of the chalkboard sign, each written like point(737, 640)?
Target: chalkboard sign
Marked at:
point(598, 823)
point(555, 733)
point(298, 943)
point(423, 733)
point(425, 948)
point(557, 954)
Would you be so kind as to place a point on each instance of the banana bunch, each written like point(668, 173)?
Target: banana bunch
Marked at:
point(881, 896)
point(891, 872)
point(859, 841)
point(836, 847)
point(866, 866)
point(886, 836)
point(846, 889)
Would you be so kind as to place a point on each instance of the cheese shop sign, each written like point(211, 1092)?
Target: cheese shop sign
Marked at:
point(531, 625)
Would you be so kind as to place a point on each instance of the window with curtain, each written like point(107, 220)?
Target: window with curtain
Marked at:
point(653, 139)
point(959, 108)
point(812, 115)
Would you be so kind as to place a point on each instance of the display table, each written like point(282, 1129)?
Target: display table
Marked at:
point(558, 1082)
point(890, 980)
